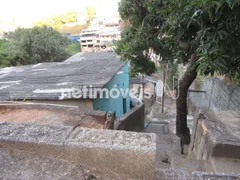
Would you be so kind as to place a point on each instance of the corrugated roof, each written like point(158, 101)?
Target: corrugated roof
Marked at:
point(144, 79)
point(46, 80)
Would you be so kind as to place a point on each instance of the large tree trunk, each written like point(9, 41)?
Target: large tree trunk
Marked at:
point(181, 120)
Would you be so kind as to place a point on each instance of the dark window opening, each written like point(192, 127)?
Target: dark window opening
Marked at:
point(124, 105)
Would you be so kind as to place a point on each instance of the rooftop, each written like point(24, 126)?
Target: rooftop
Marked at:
point(48, 80)
point(144, 79)
point(48, 114)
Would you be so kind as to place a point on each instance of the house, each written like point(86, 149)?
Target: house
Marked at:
point(143, 83)
point(99, 38)
point(88, 39)
point(58, 82)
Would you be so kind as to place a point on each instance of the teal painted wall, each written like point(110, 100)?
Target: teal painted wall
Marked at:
point(119, 80)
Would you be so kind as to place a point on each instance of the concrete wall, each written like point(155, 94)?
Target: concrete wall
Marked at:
point(120, 80)
point(132, 121)
point(215, 134)
point(217, 96)
point(125, 153)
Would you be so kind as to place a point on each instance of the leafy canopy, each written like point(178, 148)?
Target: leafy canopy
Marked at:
point(57, 20)
point(90, 12)
point(35, 45)
point(5, 60)
point(209, 29)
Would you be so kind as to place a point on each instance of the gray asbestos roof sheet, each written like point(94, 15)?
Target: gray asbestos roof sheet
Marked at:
point(46, 80)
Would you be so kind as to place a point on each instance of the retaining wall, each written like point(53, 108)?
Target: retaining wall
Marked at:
point(215, 134)
point(217, 96)
point(125, 153)
point(132, 121)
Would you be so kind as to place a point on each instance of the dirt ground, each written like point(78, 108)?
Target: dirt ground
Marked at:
point(47, 117)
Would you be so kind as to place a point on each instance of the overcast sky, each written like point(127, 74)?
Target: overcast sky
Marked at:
point(26, 11)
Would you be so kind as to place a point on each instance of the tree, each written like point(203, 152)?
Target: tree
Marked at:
point(202, 34)
point(5, 60)
point(57, 20)
point(90, 12)
point(70, 17)
point(36, 45)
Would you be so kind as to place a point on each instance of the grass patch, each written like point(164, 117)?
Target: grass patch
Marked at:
point(74, 48)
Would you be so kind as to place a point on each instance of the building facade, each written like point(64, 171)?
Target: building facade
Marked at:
point(99, 39)
point(121, 104)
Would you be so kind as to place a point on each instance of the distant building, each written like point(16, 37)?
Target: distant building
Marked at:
point(105, 37)
point(46, 82)
point(88, 39)
point(100, 35)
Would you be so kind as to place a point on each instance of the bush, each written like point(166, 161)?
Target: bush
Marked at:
point(5, 59)
point(36, 45)
point(74, 48)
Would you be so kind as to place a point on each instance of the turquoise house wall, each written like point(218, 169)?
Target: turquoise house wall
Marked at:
point(116, 105)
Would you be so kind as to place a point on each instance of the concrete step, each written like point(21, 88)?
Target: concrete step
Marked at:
point(189, 165)
point(168, 174)
point(167, 147)
point(225, 165)
point(214, 176)
point(157, 127)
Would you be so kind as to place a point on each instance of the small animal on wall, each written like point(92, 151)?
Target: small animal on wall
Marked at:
point(109, 124)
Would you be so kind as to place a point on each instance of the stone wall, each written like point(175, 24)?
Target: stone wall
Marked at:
point(125, 153)
point(217, 95)
point(215, 134)
point(132, 121)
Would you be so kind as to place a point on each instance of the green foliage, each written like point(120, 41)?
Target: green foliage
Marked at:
point(73, 48)
point(57, 20)
point(90, 12)
point(73, 29)
point(5, 59)
point(207, 29)
point(139, 37)
point(214, 26)
point(69, 17)
point(36, 45)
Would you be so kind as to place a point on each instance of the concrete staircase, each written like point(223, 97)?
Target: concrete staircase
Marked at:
point(225, 165)
point(171, 165)
point(189, 165)
point(214, 152)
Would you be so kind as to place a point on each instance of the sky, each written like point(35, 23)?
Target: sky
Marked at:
point(26, 11)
